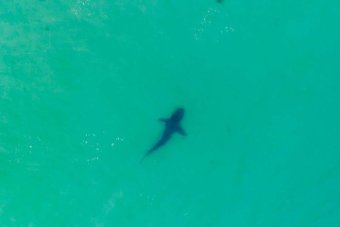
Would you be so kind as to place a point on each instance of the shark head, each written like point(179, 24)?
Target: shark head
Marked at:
point(178, 114)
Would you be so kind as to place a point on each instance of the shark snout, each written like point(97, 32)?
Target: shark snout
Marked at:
point(179, 113)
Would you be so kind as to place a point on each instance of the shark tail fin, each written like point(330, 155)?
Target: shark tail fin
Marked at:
point(147, 154)
point(142, 159)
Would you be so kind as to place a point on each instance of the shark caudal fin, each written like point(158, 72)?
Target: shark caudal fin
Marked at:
point(148, 153)
point(144, 156)
point(142, 159)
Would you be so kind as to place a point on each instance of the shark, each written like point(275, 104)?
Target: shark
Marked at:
point(172, 126)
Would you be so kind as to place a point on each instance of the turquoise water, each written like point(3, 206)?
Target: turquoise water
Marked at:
point(83, 82)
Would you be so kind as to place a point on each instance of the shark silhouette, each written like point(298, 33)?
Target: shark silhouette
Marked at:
point(172, 125)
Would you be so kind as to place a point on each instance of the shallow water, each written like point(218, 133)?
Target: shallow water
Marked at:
point(83, 83)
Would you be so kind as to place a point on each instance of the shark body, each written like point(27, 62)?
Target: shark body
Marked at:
point(172, 125)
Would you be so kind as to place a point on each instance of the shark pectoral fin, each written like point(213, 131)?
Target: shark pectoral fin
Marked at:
point(163, 120)
point(181, 131)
